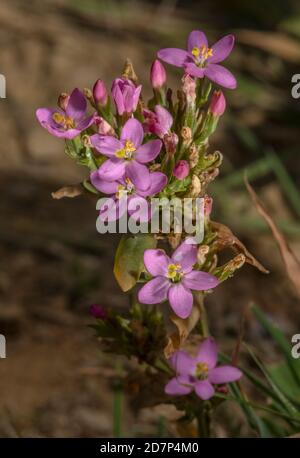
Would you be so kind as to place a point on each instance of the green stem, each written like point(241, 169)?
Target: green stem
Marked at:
point(117, 412)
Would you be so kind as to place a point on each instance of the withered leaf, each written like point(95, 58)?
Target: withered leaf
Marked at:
point(292, 264)
point(226, 238)
point(68, 191)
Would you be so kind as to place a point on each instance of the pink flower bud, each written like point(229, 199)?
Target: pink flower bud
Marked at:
point(181, 170)
point(97, 311)
point(217, 103)
point(103, 127)
point(158, 75)
point(126, 95)
point(100, 93)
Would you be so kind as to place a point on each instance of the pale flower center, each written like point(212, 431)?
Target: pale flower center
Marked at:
point(201, 372)
point(201, 55)
point(126, 152)
point(65, 121)
point(174, 272)
point(123, 190)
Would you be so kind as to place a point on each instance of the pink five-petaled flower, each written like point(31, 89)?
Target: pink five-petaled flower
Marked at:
point(157, 122)
point(66, 123)
point(199, 60)
point(127, 156)
point(126, 95)
point(199, 373)
point(127, 197)
point(175, 278)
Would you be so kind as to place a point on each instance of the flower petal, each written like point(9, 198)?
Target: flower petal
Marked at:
point(196, 39)
point(133, 130)
point(181, 300)
point(156, 262)
point(139, 209)
point(221, 49)
point(107, 187)
point(192, 69)
point(224, 374)
point(208, 353)
point(182, 363)
point(155, 291)
point(200, 281)
point(173, 56)
point(113, 209)
point(106, 144)
point(164, 118)
point(186, 254)
point(85, 122)
point(148, 151)
point(175, 388)
point(220, 75)
point(204, 389)
point(112, 169)
point(138, 174)
point(158, 181)
point(76, 106)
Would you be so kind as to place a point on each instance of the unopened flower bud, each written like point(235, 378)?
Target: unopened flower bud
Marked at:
point(103, 127)
point(217, 103)
point(208, 202)
point(181, 170)
point(158, 76)
point(98, 311)
point(170, 142)
point(193, 156)
point(63, 100)
point(189, 88)
point(186, 134)
point(100, 93)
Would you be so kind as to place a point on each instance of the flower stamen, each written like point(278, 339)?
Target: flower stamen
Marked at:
point(174, 273)
point(201, 372)
point(126, 152)
point(65, 121)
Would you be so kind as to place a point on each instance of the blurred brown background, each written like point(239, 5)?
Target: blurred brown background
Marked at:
point(53, 264)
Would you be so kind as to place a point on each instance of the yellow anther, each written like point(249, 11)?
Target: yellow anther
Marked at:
point(126, 152)
point(201, 371)
point(195, 51)
point(173, 271)
point(121, 191)
point(65, 121)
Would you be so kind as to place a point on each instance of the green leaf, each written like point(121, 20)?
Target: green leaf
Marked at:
point(129, 260)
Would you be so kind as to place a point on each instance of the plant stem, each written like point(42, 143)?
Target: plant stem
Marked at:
point(117, 412)
point(203, 420)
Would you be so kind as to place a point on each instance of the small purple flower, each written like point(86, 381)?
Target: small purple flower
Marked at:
point(157, 122)
point(126, 95)
point(97, 311)
point(66, 123)
point(181, 170)
point(175, 278)
point(199, 60)
point(127, 156)
point(199, 373)
point(127, 197)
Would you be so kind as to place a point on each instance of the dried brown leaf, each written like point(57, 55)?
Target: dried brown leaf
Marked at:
point(292, 264)
point(68, 191)
point(226, 238)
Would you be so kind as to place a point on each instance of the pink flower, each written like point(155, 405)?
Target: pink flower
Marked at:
point(174, 278)
point(217, 104)
point(157, 122)
point(199, 60)
point(66, 123)
point(200, 373)
point(158, 76)
point(100, 93)
point(127, 156)
point(181, 170)
point(125, 196)
point(126, 95)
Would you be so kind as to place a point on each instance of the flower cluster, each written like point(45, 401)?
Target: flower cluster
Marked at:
point(137, 150)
